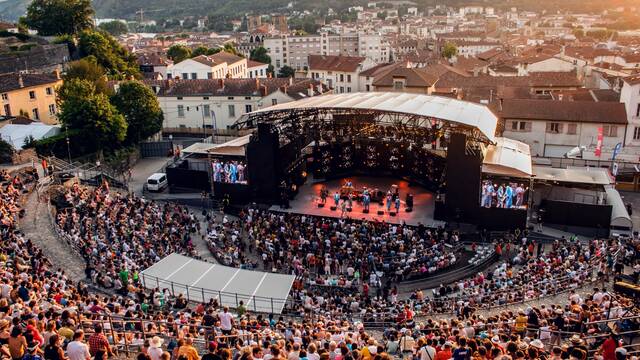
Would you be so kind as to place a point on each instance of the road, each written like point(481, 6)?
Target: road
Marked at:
point(142, 170)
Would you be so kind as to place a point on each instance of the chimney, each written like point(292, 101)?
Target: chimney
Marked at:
point(57, 73)
point(257, 84)
point(20, 80)
point(310, 90)
point(263, 90)
point(560, 96)
point(283, 88)
point(291, 81)
point(320, 89)
point(221, 83)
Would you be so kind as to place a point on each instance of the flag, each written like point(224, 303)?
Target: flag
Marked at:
point(598, 152)
point(616, 150)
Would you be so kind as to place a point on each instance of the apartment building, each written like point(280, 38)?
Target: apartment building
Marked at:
point(30, 95)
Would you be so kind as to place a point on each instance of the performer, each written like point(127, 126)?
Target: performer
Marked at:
point(323, 194)
point(490, 194)
point(508, 193)
point(500, 196)
point(366, 200)
point(336, 198)
point(398, 204)
point(350, 199)
point(240, 172)
point(217, 171)
point(389, 200)
point(519, 195)
point(233, 172)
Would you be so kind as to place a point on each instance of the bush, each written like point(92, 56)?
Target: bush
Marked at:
point(79, 144)
point(6, 152)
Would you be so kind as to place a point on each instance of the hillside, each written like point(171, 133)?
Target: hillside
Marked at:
point(162, 9)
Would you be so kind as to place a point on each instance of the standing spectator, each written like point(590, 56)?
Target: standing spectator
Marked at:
point(155, 348)
point(77, 349)
point(98, 344)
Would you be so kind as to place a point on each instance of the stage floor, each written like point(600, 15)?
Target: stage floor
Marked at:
point(423, 201)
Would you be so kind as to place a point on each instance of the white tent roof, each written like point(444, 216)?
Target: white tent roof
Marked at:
point(443, 108)
point(585, 175)
point(619, 216)
point(15, 134)
point(235, 147)
point(508, 157)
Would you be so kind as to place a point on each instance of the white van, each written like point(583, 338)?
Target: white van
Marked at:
point(157, 182)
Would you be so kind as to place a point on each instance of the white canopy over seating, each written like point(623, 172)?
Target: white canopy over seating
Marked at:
point(507, 157)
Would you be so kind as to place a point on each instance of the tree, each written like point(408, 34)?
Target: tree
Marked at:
point(140, 108)
point(178, 53)
point(231, 49)
point(6, 151)
point(88, 69)
point(259, 54)
point(200, 50)
point(449, 50)
point(286, 71)
point(114, 27)
point(382, 15)
point(116, 60)
point(59, 17)
point(82, 108)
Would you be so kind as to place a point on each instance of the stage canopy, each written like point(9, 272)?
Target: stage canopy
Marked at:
point(507, 157)
point(200, 281)
point(585, 175)
point(235, 147)
point(412, 108)
point(620, 218)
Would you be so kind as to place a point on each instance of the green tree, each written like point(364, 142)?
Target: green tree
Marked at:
point(200, 50)
point(82, 108)
point(449, 50)
point(259, 54)
point(59, 17)
point(286, 71)
point(140, 108)
point(578, 33)
point(114, 27)
point(382, 15)
point(231, 49)
point(88, 69)
point(6, 151)
point(116, 60)
point(178, 53)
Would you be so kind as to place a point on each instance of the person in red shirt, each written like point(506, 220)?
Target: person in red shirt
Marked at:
point(609, 348)
point(445, 354)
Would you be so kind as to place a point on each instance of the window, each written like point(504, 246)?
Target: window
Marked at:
point(274, 101)
point(5, 96)
point(398, 85)
point(32, 94)
point(638, 111)
point(341, 89)
point(209, 75)
point(229, 97)
point(521, 126)
point(341, 77)
point(7, 110)
point(232, 110)
point(247, 97)
point(179, 97)
point(194, 75)
point(49, 91)
point(206, 109)
point(181, 111)
point(636, 133)
point(205, 98)
point(368, 87)
point(610, 130)
point(36, 114)
point(169, 76)
point(554, 128)
point(348, 89)
point(348, 78)
point(52, 109)
point(248, 108)
point(572, 129)
point(185, 76)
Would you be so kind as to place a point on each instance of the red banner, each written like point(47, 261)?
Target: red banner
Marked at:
point(599, 143)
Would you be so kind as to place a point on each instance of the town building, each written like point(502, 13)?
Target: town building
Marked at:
point(30, 95)
point(218, 103)
point(342, 73)
point(216, 66)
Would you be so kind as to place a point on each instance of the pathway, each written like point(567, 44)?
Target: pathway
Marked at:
point(37, 226)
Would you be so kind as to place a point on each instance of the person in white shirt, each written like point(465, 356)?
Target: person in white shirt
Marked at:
point(226, 321)
point(155, 348)
point(77, 349)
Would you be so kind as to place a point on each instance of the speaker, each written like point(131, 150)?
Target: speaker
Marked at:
point(409, 209)
point(464, 164)
point(320, 205)
point(392, 213)
point(349, 209)
point(365, 211)
point(333, 208)
point(262, 163)
point(380, 212)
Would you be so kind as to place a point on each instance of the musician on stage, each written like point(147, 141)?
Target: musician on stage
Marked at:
point(366, 200)
point(323, 194)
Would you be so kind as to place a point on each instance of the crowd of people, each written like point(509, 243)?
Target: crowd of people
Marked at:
point(329, 249)
point(120, 234)
point(44, 314)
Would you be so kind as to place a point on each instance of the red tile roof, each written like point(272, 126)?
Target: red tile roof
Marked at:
point(413, 78)
point(335, 63)
point(572, 111)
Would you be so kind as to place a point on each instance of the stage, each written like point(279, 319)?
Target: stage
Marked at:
point(306, 202)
